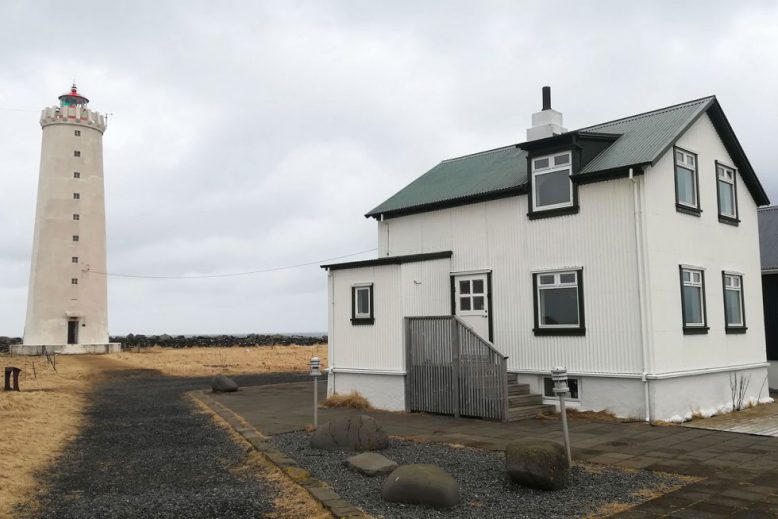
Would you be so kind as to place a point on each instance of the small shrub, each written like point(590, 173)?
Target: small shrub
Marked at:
point(352, 400)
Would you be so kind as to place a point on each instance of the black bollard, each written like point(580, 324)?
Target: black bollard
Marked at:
point(12, 372)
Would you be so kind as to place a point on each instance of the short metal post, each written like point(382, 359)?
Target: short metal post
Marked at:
point(559, 376)
point(315, 371)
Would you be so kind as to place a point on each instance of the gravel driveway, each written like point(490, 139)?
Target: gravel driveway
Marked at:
point(145, 451)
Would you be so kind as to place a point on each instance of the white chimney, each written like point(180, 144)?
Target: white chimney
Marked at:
point(547, 122)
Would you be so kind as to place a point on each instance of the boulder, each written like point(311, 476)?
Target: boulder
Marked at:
point(370, 464)
point(427, 485)
point(356, 432)
point(540, 464)
point(222, 384)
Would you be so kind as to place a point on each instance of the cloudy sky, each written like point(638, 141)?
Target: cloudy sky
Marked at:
point(252, 135)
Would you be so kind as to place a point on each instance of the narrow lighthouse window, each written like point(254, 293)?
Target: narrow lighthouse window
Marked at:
point(76, 153)
point(76, 174)
point(76, 196)
point(77, 133)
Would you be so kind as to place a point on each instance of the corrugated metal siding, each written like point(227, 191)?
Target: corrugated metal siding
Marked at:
point(498, 236)
point(426, 288)
point(377, 346)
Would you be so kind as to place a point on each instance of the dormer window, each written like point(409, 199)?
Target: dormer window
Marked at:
point(551, 185)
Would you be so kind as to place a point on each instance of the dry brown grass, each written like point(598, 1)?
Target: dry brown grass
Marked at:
point(204, 361)
point(351, 400)
point(39, 421)
point(292, 500)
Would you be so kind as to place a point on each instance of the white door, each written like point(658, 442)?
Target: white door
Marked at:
point(471, 302)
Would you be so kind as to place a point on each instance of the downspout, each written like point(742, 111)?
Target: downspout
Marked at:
point(641, 291)
point(331, 332)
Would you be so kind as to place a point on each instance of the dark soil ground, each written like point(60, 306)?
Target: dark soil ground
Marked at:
point(147, 451)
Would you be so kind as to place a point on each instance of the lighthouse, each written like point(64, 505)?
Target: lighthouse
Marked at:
point(67, 305)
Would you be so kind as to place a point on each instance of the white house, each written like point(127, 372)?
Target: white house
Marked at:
point(627, 251)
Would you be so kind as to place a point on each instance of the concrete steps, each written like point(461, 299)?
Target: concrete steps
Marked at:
point(523, 405)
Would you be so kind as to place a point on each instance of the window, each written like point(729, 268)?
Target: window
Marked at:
point(74, 259)
point(551, 185)
point(734, 313)
point(686, 182)
point(76, 196)
point(76, 217)
point(362, 304)
point(472, 295)
point(572, 383)
point(77, 133)
point(75, 237)
point(76, 174)
point(725, 186)
point(693, 300)
point(559, 303)
point(74, 281)
point(76, 153)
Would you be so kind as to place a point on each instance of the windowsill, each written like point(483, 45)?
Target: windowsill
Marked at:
point(559, 331)
point(729, 220)
point(694, 211)
point(695, 330)
point(736, 329)
point(362, 320)
point(550, 213)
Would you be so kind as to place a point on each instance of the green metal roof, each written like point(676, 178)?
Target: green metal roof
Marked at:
point(642, 139)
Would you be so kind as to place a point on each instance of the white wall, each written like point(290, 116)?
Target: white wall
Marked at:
point(497, 235)
point(674, 238)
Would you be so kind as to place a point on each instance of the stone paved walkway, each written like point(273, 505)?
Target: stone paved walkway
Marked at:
point(761, 420)
point(739, 472)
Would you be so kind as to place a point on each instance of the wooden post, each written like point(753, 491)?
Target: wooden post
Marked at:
point(455, 359)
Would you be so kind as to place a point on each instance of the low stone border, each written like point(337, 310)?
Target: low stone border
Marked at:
point(319, 490)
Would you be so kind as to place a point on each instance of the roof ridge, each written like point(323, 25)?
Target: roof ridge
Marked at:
point(469, 155)
point(649, 113)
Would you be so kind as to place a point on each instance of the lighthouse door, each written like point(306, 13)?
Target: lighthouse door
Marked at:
point(73, 331)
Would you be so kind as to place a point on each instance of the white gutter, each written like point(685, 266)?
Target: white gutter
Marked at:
point(641, 291)
point(331, 331)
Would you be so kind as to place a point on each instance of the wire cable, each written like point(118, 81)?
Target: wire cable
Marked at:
point(232, 274)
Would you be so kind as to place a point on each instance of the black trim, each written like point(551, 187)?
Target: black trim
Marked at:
point(608, 174)
point(580, 330)
point(521, 189)
point(389, 260)
point(737, 328)
point(691, 330)
point(550, 213)
point(453, 296)
point(723, 218)
point(489, 305)
point(687, 210)
point(682, 208)
point(361, 320)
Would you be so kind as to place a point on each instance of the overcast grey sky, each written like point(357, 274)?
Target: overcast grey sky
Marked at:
point(246, 135)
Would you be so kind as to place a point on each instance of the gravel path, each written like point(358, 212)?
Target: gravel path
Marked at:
point(147, 452)
point(485, 488)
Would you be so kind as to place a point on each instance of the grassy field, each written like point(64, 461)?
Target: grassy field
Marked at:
point(37, 423)
point(211, 361)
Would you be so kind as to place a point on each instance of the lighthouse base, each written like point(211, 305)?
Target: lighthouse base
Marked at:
point(66, 349)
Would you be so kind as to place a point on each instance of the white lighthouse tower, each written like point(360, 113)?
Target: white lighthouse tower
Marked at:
point(67, 301)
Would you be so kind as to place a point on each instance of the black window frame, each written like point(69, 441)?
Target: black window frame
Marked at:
point(579, 330)
point(75, 237)
point(76, 174)
point(725, 218)
point(76, 196)
point(741, 328)
point(361, 320)
point(76, 153)
point(76, 217)
point(683, 208)
point(694, 329)
point(74, 281)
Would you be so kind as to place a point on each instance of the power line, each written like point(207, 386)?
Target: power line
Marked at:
point(233, 274)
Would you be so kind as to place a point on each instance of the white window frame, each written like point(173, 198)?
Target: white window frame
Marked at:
point(459, 295)
point(692, 271)
point(734, 287)
point(557, 284)
point(730, 182)
point(551, 168)
point(684, 163)
point(362, 287)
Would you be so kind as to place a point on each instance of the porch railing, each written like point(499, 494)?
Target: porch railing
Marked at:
point(453, 370)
